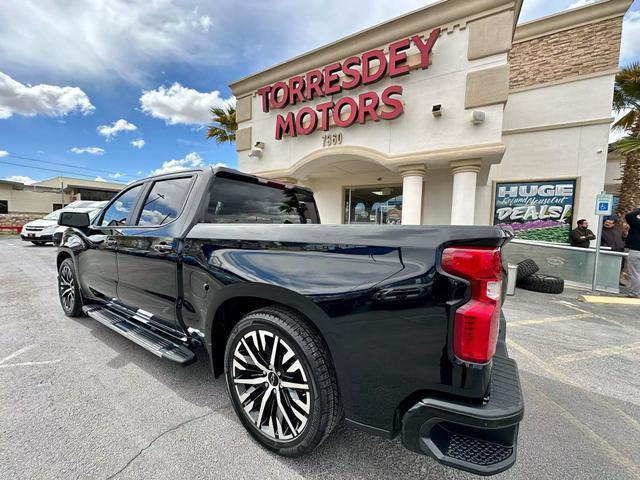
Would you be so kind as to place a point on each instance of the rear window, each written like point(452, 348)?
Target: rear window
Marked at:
point(235, 201)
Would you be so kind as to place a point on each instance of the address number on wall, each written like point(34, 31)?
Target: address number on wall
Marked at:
point(332, 139)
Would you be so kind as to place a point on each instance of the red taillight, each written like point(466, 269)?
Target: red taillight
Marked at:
point(475, 328)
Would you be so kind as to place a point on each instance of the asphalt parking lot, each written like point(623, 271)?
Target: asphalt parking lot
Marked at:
point(79, 401)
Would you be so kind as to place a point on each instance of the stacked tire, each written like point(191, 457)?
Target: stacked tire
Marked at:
point(528, 278)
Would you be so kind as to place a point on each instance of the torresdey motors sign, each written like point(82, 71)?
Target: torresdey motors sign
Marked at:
point(536, 210)
point(353, 72)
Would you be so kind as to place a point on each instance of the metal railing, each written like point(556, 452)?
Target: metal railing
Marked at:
point(573, 264)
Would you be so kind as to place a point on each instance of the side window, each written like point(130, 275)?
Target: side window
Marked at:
point(119, 210)
point(164, 202)
point(235, 201)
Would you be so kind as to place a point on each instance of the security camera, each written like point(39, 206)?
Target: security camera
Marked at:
point(477, 117)
point(257, 150)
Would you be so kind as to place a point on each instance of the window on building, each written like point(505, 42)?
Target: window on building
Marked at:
point(164, 202)
point(57, 206)
point(4, 206)
point(377, 205)
point(94, 195)
point(234, 201)
point(119, 210)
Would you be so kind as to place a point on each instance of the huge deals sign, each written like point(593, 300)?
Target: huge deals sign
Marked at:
point(353, 72)
point(536, 210)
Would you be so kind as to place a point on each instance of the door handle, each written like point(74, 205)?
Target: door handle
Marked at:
point(163, 247)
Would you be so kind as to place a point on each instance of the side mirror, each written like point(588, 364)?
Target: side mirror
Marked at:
point(74, 219)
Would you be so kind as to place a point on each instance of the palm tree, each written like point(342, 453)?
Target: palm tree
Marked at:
point(626, 96)
point(224, 124)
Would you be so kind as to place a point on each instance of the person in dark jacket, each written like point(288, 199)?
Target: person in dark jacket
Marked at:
point(613, 236)
point(633, 244)
point(582, 236)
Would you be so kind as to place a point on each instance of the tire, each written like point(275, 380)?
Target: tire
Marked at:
point(543, 284)
point(297, 394)
point(526, 268)
point(68, 291)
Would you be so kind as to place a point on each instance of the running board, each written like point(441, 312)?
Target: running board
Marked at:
point(151, 341)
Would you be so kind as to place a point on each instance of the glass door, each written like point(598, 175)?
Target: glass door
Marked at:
point(373, 205)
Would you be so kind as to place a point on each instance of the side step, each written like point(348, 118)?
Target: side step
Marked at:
point(151, 341)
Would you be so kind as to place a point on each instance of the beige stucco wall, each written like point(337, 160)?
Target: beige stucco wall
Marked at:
point(553, 133)
point(28, 201)
point(56, 181)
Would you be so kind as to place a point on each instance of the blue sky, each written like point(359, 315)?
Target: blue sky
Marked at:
point(80, 80)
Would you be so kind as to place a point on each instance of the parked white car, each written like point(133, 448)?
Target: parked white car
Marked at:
point(46, 229)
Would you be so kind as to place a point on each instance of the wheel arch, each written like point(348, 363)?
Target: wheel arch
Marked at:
point(63, 254)
point(235, 301)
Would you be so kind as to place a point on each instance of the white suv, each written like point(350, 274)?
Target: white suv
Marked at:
point(45, 229)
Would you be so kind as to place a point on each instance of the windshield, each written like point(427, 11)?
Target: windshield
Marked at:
point(53, 215)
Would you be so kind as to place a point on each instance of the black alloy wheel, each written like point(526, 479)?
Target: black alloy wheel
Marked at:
point(281, 381)
point(68, 290)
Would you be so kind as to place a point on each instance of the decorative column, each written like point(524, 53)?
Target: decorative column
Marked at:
point(412, 185)
point(463, 201)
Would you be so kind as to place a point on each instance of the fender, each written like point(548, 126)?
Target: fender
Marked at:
point(215, 337)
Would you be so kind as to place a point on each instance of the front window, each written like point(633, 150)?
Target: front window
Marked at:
point(119, 210)
point(234, 201)
point(373, 205)
point(164, 202)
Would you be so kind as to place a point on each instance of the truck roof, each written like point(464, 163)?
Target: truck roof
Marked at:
point(225, 170)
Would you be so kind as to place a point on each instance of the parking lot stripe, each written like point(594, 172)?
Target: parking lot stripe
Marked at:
point(605, 446)
point(558, 375)
point(15, 354)
point(599, 352)
point(582, 310)
point(28, 364)
point(538, 321)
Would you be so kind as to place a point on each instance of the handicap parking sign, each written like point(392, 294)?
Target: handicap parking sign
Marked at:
point(604, 204)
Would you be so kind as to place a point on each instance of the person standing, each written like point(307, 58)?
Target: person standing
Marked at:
point(613, 236)
point(582, 236)
point(633, 244)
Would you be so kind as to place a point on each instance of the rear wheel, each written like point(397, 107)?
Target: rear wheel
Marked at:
point(281, 381)
point(68, 290)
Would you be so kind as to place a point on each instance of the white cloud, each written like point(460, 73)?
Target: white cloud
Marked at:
point(50, 100)
point(580, 3)
point(109, 131)
point(630, 48)
point(89, 150)
point(203, 22)
point(99, 179)
point(116, 175)
point(108, 38)
point(139, 143)
point(3, 153)
point(190, 160)
point(21, 179)
point(178, 104)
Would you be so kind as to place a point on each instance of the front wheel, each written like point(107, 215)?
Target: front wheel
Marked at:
point(281, 381)
point(68, 289)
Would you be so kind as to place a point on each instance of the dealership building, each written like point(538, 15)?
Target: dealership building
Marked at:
point(451, 114)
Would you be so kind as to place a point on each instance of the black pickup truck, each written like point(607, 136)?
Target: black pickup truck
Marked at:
point(397, 329)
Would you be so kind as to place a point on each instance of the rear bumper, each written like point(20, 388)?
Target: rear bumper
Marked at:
point(481, 439)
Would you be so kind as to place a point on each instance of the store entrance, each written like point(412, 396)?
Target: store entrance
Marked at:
point(373, 205)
